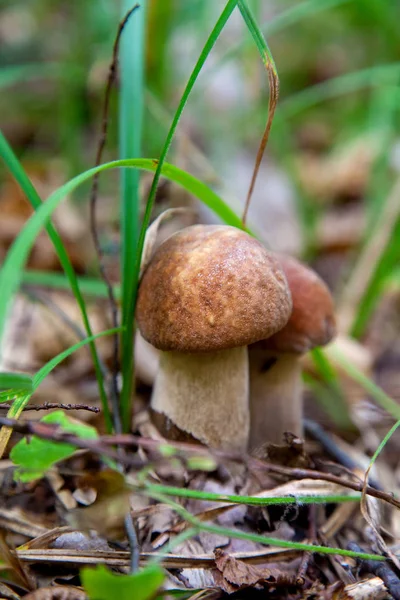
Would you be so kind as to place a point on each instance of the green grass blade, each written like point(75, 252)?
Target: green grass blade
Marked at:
point(385, 401)
point(16, 382)
point(254, 537)
point(292, 16)
point(327, 372)
point(252, 500)
point(382, 445)
point(54, 362)
point(9, 286)
point(127, 348)
point(339, 86)
point(48, 279)
point(11, 395)
point(22, 73)
point(132, 62)
point(257, 35)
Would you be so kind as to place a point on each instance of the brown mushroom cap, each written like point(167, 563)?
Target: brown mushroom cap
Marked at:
point(312, 322)
point(210, 288)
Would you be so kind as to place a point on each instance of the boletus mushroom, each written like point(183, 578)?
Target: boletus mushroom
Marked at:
point(208, 292)
point(276, 403)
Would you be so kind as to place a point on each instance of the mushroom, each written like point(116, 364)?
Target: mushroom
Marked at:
point(207, 293)
point(276, 403)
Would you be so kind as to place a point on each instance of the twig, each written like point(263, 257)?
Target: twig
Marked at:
point(55, 405)
point(133, 543)
point(104, 446)
point(329, 445)
point(382, 570)
point(93, 226)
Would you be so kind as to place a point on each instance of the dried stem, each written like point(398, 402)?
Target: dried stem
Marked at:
point(55, 405)
point(273, 100)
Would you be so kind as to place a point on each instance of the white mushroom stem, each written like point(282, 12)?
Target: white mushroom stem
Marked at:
point(276, 399)
point(206, 395)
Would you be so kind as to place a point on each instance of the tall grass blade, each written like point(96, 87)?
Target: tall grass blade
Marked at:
point(132, 67)
point(9, 285)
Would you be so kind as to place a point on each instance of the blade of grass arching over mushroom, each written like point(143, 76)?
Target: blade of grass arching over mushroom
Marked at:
point(12, 269)
point(32, 196)
point(131, 293)
point(131, 109)
point(273, 82)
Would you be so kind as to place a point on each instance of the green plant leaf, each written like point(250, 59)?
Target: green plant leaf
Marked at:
point(18, 382)
point(11, 395)
point(35, 456)
point(102, 584)
point(21, 400)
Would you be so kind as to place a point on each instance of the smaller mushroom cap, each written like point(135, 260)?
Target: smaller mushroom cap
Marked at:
point(210, 288)
point(312, 322)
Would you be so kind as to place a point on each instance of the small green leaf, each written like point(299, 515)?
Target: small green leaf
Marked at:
point(16, 381)
point(167, 450)
point(201, 463)
point(101, 584)
point(34, 457)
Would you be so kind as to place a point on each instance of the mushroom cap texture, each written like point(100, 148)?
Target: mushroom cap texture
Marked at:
point(312, 322)
point(209, 288)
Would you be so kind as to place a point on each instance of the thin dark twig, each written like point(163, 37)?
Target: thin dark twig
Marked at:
point(105, 446)
point(55, 405)
point(133, 543)
point(330, 446)
point(93, 225)
point(382, 570)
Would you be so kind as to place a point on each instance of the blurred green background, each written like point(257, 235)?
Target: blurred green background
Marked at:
point(333, 152)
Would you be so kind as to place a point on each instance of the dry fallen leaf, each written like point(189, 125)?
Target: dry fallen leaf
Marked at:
point(107, 513)
point(367, 589)
point(236, 574)
point(66, 592)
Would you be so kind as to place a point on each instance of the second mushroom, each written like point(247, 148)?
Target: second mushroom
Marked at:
point(276, 395)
